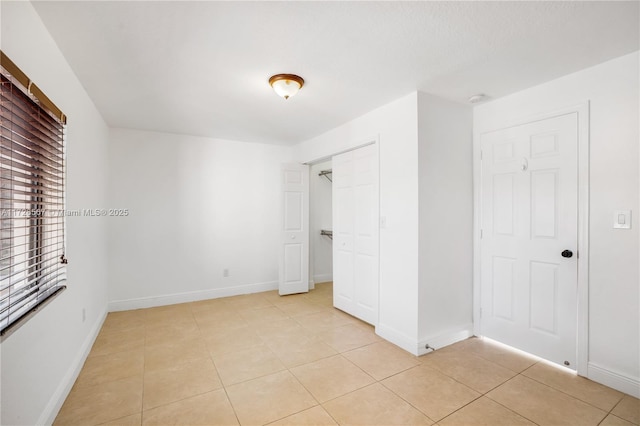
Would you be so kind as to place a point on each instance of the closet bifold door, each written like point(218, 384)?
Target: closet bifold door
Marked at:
point(355, 233)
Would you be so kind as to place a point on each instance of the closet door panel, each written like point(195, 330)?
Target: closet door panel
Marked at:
point(343, 228)
point(355, 222)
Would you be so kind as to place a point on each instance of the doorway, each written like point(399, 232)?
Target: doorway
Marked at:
point(320, 223)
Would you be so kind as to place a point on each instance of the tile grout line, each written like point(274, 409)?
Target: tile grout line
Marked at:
point(541, 362)
point(144, 371)
point(312, 396)
point(310, 393)
point(224, 387)
point(201, 337)
point(484, 394)
point(613, 408)
point(288, 369)
point(531, 378)
point(401, 397)
point(481, 394)
point(568, 394)
point(504, 406)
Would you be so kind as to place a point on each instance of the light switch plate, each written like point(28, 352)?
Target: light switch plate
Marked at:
point(622, 219)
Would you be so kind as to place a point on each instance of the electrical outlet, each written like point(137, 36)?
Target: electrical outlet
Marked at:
point(225, 272)
point(84, 314)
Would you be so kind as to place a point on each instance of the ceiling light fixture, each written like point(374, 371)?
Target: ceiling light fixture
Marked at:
point(286, 85)
point(480, 97)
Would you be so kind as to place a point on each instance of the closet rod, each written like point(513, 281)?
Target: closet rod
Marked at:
point(326, 174)
point(327, 233)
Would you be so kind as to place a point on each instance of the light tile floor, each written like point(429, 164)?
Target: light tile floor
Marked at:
point(264, 359)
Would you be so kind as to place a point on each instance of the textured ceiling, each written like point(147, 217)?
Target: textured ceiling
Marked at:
point(202, 67)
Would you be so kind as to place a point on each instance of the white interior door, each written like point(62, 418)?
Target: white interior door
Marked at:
point(294, 243)
point(355, 233)
point(529, 239)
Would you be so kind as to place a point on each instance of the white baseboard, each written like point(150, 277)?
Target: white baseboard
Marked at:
point(322, 278)
point(62, 391)
point(615, 380)
point(191, 296)
point(418, 348)
point(445, 339)
point(397, 338)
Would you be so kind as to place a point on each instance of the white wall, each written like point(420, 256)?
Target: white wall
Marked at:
point(445, 133)
point(395, 126)
point(41, 359)
point(614, 296)
point(197, 206)
point(321, 217)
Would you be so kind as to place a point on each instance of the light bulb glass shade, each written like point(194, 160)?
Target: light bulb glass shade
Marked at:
point(286, 85)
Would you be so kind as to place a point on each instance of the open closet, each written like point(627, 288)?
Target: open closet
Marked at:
point(321, 223)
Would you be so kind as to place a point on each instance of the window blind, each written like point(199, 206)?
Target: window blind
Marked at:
point(32, 189)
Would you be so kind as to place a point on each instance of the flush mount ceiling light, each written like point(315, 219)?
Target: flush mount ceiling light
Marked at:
point(286, 85)
point(480, 97)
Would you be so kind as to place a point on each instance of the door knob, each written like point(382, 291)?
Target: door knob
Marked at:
point(567, 253)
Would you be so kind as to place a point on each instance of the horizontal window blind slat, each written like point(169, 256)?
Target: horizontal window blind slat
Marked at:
point(25, 130)
point(21, 161)
point(31, 150)
point(36, 173)
point(24, 230)
point(53, 117)
point(36, 198)
point(7, 176)
point(22, 249)
point(27, 125)
point(28, 277)
point(29, 195)
point(23, 113)
point(30, 255)
point(49, 249)
point(12, 131)
point(22, 226)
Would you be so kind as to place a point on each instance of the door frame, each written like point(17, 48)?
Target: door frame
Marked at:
point(582, 325)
